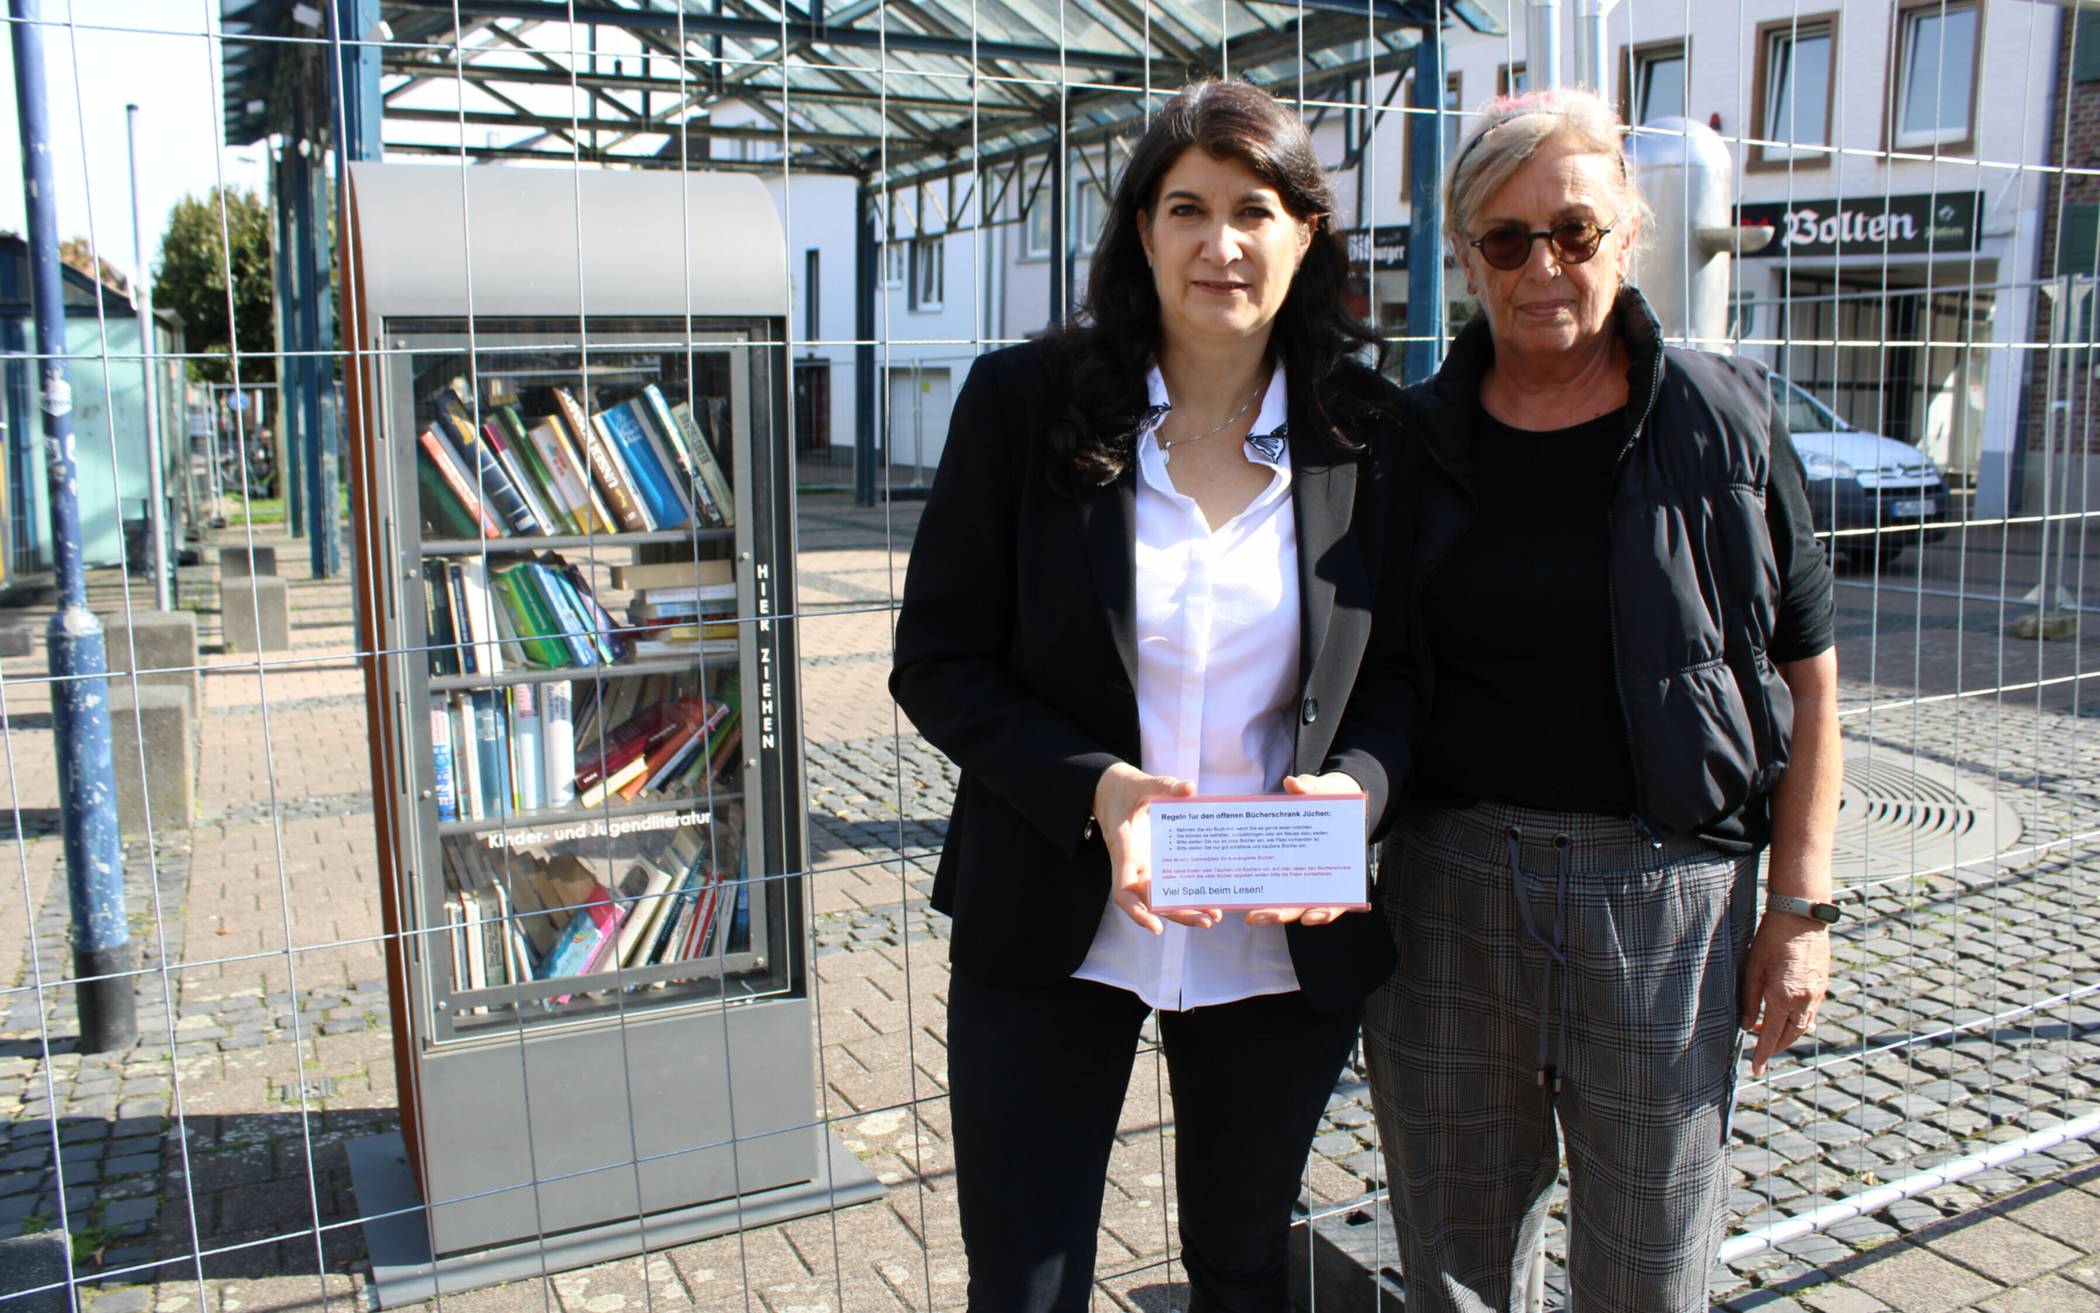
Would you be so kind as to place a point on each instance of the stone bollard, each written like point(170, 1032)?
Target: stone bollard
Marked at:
point(17, 640)
point(29, 1262)
point(161, 717)
point(162, 645)
point(234, 561)
point(242, 602)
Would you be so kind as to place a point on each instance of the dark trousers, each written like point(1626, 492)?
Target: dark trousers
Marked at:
point(1036, 1085)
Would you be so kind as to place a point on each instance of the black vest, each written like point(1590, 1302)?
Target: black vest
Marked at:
point(1694, 582)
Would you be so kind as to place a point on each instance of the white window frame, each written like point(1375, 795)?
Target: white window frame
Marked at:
point(929, 273)
point(896, 262)
point(1782, 141)
point(1089, 212)
point(1035, 224)
point(1908, 22)
point(1641, 68)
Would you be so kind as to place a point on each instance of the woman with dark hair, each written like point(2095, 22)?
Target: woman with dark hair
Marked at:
point(1148, 567)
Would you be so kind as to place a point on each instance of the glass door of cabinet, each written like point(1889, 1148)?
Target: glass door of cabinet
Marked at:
point(578, 633)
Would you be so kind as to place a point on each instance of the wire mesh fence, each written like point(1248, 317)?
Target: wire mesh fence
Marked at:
point(527, 875)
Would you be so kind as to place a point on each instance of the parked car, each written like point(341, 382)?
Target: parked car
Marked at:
point(1861, 480)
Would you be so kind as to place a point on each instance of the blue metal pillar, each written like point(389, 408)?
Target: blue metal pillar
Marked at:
point(316, 313)
point(1425, 255)
point(354, 70)
point(865, 391)
point(87, 786)
point(290, 384)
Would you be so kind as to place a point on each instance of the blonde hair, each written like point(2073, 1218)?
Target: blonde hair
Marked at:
point(1511, 129)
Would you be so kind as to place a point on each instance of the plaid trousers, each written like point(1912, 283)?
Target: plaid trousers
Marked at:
point(1557, 968)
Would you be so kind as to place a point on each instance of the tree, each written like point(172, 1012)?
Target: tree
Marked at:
point(76, 252)
point(192, 283)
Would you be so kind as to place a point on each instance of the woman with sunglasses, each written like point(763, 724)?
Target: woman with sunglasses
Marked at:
point(1623, 628)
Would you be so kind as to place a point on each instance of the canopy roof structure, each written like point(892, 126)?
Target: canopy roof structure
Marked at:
point(893, 92)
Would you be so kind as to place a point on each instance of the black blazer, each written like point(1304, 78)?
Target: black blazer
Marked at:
point(1017, 657)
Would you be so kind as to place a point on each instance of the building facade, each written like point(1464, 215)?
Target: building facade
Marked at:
point(1901, 152)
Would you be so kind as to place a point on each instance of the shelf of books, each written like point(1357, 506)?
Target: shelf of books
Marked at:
point(581, 620)
point(575, 562)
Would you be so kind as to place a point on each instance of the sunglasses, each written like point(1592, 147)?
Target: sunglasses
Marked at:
point(1573, 242)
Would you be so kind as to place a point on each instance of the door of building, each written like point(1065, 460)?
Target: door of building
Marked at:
point(918, 426)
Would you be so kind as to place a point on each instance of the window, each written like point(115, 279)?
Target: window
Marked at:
point(927, 274)
point(2085, 46)
point(1035, 226)
point(2078, 240)
point(1089, 212)
point(1936, 75)
point(1512, 80)
point(1656, 83)
point(810, 284)
point(1794, 89)
point(893, 258)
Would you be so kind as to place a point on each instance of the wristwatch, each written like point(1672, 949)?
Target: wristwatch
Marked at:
point(1827, 913)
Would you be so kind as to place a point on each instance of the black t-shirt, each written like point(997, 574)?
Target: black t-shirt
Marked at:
point(1517, 619)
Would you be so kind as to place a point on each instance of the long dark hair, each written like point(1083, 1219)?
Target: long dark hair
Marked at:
point(1106, 354)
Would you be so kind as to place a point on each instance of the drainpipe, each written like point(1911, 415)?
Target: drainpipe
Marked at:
point(1542, 45)
point(87, 786)
point(1590, 44)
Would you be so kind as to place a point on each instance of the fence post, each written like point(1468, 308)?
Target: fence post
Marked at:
point(87, 789)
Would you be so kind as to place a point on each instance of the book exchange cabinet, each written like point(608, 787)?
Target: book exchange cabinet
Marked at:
point(571, 485)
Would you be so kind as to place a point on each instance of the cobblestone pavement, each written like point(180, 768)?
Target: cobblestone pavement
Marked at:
point(1966, 1013)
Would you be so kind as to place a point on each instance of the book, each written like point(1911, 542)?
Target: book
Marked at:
point(460, 482)
point(665, 426)
point(485, 472)
point(692, 738)
point(646, 889)
point(514, 468)
point(491, 746)
point(565, 476)
point(610, 640)
point(544, 642)
point(558, 741)
point(441, 761)
point(574, 442)
point(681, 479)
point(463, 640)
point(703, 454)
point(623, 424)
point(479, 618)
point(687, 716)
point(673, 574)
point(466, 758)
point(528, 746)
point(444, 514)
point(566, 616)
point(438, 632)
point(526, 455)
point(581, 937)
point(602, 460)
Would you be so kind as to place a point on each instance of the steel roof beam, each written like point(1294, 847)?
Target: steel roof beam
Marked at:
point(829, 33)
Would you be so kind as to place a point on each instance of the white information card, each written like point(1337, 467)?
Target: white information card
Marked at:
point(1265, 850)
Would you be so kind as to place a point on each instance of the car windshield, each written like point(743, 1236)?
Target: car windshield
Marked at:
point(1804, 414)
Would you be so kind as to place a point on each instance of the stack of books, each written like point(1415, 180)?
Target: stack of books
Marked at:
point(678, 605)
point(638, 466)
point(499, 752)
point(515, 612)
point(534, 918)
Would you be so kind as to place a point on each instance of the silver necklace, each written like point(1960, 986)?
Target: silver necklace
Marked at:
point(1166, 449)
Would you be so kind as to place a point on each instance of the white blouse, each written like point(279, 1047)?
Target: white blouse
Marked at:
point(1217, 689)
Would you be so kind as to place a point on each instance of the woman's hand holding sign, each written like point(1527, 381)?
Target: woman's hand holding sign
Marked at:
point(1332, 782)
point(1120, 798)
